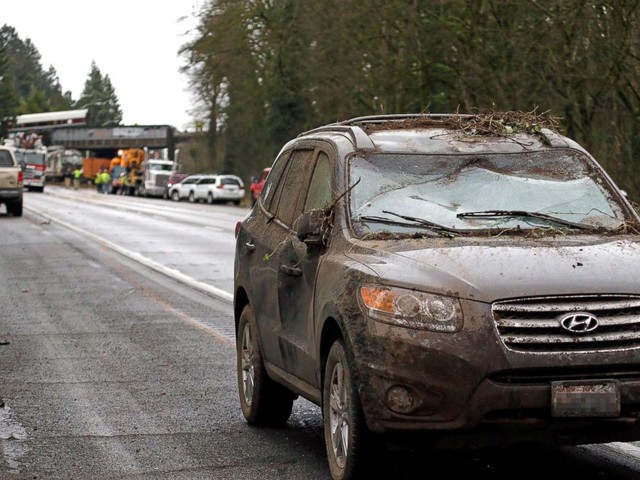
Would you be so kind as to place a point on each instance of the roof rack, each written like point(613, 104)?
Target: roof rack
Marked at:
point(358, 136)
point(402, 116)
point(553, 138)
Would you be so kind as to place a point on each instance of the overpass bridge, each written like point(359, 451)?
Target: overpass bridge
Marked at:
point(69, 130)
point(110, 139)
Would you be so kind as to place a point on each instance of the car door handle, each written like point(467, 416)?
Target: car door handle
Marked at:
point(250, 246)
point(293, 271)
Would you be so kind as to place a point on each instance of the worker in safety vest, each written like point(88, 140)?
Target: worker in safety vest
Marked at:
point(77, 173)
point(98, 181)
point(123, 184)
point(106, 181)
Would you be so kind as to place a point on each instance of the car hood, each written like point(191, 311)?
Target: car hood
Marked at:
point(493, 270)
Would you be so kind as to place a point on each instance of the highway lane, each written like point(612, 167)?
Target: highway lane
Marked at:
point(196, 240)
point(111, 370)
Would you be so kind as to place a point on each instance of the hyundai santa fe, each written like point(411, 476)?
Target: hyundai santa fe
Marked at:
point(440, 280)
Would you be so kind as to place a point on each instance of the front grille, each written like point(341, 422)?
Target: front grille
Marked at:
point(534, 324)
point(162, 179)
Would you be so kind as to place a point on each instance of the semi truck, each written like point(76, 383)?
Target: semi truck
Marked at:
point(141, 172)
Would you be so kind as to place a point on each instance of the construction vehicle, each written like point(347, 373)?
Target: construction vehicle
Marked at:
point(125, 171)
point(155, 172)
point(141, 172)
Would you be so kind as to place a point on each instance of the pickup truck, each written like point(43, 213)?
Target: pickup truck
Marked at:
point(11, 179)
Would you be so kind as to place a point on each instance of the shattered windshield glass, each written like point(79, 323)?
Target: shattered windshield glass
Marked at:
point(405, 193)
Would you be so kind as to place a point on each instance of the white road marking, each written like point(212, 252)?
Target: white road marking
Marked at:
point(137, 257)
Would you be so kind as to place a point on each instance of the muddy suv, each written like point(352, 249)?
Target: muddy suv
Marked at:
point(442, 281)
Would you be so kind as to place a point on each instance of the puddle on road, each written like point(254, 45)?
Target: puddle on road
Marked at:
point(13, 438)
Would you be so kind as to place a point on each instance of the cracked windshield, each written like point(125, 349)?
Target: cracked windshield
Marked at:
point(470, 193)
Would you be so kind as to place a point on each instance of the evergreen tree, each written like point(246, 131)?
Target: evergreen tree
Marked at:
point(38, 90)
point(99, 97)
point(8, 93)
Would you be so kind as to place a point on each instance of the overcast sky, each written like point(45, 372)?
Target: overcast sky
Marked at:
point(135, 42)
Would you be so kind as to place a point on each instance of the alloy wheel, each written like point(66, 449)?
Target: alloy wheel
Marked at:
point(248, 372)
point(339, 415)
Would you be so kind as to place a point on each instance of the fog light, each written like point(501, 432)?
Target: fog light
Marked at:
point(400, 399)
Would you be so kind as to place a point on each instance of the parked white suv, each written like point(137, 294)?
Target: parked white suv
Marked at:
point(225, 188)
point(186, 189)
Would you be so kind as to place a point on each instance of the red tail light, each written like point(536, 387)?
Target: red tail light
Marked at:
point(20, 177)
point(220, 186)
point(40, 167)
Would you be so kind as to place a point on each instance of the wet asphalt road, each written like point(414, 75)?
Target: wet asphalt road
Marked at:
point(110, 370)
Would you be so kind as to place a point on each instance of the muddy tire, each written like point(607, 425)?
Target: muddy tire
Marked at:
point(263, 402)
point(209, 198)
point(192, 197)
point(349, 444)
point(175, 196)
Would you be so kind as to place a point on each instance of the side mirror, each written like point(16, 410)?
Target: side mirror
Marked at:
point(311, 227)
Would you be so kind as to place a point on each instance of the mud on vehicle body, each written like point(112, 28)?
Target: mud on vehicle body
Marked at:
point(11, 182)
point(440, 280)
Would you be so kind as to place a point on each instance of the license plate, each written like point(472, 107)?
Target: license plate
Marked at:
point(585, 399)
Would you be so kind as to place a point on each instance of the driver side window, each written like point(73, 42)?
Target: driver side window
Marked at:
point(320, 194)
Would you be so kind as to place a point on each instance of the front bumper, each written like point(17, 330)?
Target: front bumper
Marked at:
point(469, 384)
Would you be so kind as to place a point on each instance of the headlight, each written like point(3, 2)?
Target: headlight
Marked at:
point(411, 309)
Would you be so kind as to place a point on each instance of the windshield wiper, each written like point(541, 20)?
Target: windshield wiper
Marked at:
point(523, 213)
point(418, 222)
point(422, 221)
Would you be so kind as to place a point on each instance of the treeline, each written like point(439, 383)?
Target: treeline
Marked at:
point(26, 87)
point(266, 70)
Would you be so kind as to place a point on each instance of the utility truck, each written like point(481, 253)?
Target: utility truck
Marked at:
point(137, 171)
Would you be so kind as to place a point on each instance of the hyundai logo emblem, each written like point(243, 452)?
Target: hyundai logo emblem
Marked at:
point(579, 322)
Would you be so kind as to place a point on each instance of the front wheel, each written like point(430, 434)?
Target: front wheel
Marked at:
point(209, 198)
point(263, 401)
point(175, 196)
point(192, 197)
point(345, 432)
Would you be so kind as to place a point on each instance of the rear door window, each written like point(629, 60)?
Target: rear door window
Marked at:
point(5, 159)
point(230, 181)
